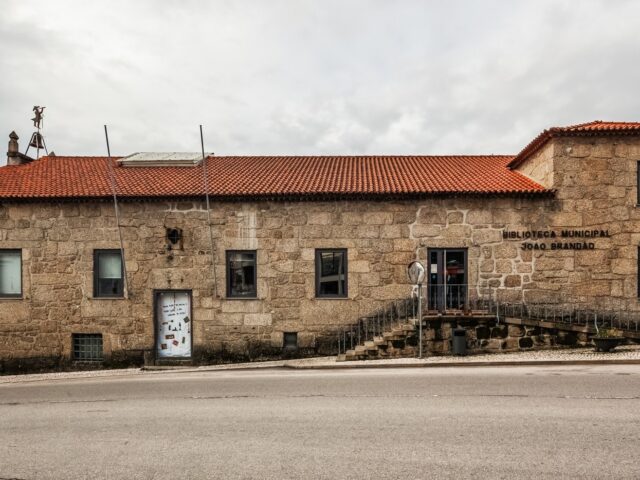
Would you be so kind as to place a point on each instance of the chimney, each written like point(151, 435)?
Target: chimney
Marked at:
point(14, 157)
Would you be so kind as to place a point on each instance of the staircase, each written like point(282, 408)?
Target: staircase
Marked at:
point(387, 333)
point(393, 343)
point(391, 331)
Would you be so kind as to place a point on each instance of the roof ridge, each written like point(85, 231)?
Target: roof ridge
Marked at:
point(457, 155)
point(596, 127)
point(577, 125)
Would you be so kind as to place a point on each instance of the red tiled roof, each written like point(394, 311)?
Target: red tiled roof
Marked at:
point(597, 127)
point(269, 177)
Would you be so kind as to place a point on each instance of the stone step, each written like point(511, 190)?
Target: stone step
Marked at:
point(370, 346)
point(398, 332)
point(390, 336)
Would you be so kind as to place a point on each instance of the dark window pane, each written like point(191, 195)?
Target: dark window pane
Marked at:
point(109, 286)
point(108, 274)
point(331, 273)
point(10, 273)
point(290, 340)
point(241, 269)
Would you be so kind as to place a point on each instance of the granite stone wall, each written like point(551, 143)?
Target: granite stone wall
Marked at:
point(595, 183)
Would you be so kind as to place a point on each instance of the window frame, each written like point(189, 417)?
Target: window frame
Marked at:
point(96, 271)
point(20, 294)
point(318, 272)
point(252, 295)
point(638, 188)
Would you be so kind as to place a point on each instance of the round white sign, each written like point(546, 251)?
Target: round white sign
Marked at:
point(416, 271)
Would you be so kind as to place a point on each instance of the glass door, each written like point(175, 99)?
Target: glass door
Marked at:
point(447, 279)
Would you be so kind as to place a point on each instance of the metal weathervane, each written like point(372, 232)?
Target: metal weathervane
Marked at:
point(37, 139)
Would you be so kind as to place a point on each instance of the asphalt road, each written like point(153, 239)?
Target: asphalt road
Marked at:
point(496, 422)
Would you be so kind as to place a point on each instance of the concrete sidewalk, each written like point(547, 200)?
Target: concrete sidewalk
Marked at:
point(628, 354)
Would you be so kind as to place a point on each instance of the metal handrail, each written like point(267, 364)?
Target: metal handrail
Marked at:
point(561, 311)
point(376, 323)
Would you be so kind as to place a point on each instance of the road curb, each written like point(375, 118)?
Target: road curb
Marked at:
point(531, 363)
point(285, 365)
point(210, 368)
point(346, 366)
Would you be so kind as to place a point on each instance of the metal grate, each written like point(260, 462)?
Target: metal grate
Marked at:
point(87, 347)
point(290, 340)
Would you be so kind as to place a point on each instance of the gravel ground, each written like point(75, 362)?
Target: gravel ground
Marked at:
point(627, 352)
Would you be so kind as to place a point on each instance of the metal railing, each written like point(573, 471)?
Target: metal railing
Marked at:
point(375, 324)
point(567, 314)
point(466, 300)
point(443, 298)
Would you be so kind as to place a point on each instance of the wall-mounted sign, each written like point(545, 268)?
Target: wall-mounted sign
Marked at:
point(556, 239)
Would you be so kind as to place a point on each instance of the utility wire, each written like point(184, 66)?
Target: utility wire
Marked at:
point(206, 193)
point(112, 179)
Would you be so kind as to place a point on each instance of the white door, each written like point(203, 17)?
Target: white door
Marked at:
point(173, 324)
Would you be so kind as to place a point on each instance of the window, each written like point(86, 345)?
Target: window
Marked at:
point(290, 340)
point(241, 274)
point(638, 183)
point(331, 273)
point(87, 347)
point(11, 273)
point(107, 274)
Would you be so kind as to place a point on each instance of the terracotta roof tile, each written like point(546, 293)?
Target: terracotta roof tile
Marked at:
point(597, 127)
point(269, 177)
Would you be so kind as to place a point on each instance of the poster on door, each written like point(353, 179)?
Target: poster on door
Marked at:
point(174, 324)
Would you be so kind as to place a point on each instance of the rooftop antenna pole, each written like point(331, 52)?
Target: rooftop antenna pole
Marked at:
point(206, 193)
point(112, 180)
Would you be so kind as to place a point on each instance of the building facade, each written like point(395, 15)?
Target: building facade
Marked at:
point(302, 245)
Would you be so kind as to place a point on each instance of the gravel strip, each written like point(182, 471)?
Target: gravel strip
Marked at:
point(626, 352)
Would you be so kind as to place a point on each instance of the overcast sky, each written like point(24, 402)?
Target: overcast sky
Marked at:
point(314, 77)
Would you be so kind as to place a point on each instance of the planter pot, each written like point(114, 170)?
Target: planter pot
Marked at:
point(607, 344)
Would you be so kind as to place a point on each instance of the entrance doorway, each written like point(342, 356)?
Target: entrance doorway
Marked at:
point(447, 289)
point(173, 321)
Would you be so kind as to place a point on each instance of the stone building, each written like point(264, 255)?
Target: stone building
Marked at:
point(292, 247)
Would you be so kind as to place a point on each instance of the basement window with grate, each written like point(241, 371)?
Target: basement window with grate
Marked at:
point(290, 340)
point(87, 347)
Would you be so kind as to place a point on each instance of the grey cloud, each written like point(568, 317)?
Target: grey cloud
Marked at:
point(311, 77)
